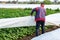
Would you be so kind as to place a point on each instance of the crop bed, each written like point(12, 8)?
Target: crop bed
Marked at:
point(19, 33)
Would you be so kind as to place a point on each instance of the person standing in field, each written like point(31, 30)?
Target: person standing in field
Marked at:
point(39, 18)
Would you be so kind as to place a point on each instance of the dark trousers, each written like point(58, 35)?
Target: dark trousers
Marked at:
point(38, 23)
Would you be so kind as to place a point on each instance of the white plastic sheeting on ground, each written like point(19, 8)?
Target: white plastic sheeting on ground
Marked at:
point(53, 35)
point(17, 22)
point(52, 19)
point(53, 7)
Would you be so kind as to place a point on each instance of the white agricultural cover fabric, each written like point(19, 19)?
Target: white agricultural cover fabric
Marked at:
point(52, 6)
point(53, 35)
point(52, 19)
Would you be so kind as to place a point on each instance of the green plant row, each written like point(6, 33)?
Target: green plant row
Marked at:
point(9, 13)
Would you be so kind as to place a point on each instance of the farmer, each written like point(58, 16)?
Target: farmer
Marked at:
point(39, 18)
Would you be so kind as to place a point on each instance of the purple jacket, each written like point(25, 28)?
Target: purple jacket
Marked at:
point(40, 13)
